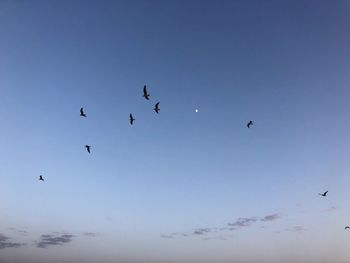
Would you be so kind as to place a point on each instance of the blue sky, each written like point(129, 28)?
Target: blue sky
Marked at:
point(180, 186)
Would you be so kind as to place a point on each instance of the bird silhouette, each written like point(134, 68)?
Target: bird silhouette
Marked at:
point(131, 119)
point(145, 94)
point(88, 148)
point(41, 178)
point(250, 123)
point(324, 194)
point(82, 114)
point(347, 227)
point(156, 107)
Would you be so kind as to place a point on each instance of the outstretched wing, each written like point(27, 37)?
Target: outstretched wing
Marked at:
point(81, 111)
point(144, 90)
point(157, 105)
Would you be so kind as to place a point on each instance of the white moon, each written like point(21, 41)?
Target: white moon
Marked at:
point(196, 110)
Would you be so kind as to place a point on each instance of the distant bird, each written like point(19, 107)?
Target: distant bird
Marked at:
point(145, 94)
point(347, 227)
point(41, 178)
point(88, 148)
point(250, 123)
point(82, 114)
point(156, 107)
point(131, 119)
point(324, 194)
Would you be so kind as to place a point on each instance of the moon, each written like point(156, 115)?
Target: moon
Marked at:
point(196, 110)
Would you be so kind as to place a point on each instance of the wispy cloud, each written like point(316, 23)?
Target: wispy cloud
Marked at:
point(54, 240)
point(201, 231)
point(232, 226)
point(227, 228)
point(217, 238)
point(174, 235)
point(270, 217)
point(243, 222)
point(6, 243)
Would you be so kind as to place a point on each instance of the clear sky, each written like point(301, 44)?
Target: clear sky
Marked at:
point(180, 186)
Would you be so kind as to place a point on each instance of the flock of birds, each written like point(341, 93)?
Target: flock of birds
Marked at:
point(156, 108)
point(146, 95)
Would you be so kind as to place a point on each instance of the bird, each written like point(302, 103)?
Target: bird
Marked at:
point(82, 114)
point(145, 94)
point(41, 178)
point(324, 194)
point(347, 227)
point(249, 124)
point(156, 107)
point(131, 119)
point(88, 148)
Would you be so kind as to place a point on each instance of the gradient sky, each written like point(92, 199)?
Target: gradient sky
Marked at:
point(181, 186)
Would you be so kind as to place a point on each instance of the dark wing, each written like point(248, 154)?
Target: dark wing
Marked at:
point(325, 193)
point(144, 90)
point(157, 105)
point(81, 111)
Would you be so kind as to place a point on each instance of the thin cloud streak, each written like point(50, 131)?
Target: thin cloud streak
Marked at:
point(270, 217)
point(243, 222)
point(5, 243)
point(201, 231)
point(240, 222)
point(51, 240)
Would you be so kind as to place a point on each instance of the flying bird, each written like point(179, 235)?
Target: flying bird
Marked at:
point(324, 194)
point(82, 114)
point(131, 119)
point(41, 178)
point(145, 94)
point(347, 227)
point(250, 123)
point(88, 148)
point(156, 107)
